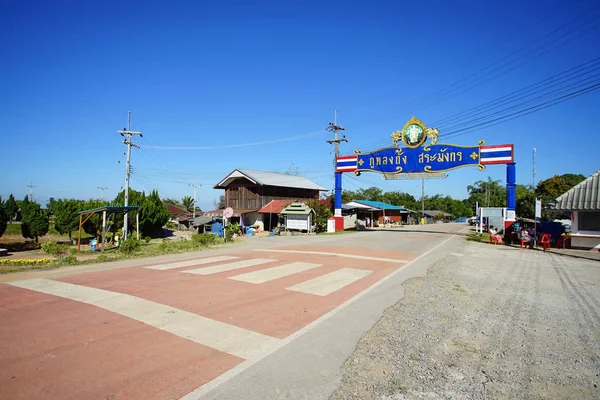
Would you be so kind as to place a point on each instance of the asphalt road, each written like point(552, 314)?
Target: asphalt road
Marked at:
point(270, 318)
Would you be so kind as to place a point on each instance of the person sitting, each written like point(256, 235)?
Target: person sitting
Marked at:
point(526, 237)
point(494, 235)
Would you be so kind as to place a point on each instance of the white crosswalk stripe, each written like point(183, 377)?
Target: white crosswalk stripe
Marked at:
point(189, 263)
point(269, 274)
point(229, 267)
point(331, 282)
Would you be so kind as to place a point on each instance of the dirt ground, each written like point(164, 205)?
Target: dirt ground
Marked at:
point(487, 322)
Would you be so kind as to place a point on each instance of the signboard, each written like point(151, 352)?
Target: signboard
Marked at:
point(416, 157)
point(299, 222)
point(538, 208)
point(416, 175)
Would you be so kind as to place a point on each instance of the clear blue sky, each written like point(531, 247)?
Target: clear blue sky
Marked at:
point(220, 73)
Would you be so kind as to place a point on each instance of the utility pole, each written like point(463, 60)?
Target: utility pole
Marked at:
point(423, 198)
point(102, 189)
point(335, 128)
point(31, 186)
point(195, 186)
point(533, 170)
point(127, 134)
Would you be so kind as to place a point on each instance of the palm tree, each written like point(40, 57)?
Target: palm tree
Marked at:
point(188, 203)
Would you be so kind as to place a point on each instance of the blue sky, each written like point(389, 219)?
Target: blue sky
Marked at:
point(200, 74)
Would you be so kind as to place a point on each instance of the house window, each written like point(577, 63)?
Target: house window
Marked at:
point(589, 221)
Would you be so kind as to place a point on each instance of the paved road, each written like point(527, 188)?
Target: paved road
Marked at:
point(271, 318)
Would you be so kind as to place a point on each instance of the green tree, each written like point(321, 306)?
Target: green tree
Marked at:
point(525, 201)
point(349, 195)
point(323, 212)
point(488, 193)
point(135, 199)
point(153, 215)
point(11, 208)
point(35, 220)
point(220, 203)
point(66, 219)
point(51, 204)
point(373, 193)
point(573, 179)
point(398, 198)
point(188, 203)
point(3, 217)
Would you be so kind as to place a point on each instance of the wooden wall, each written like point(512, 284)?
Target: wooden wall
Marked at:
point(243, 197)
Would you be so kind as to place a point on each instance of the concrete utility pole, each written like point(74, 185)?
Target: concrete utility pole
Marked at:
point(335, 128)
point(127, 134)
point(31, 186)
point(423, 197)
point(102, 189)
point(195, 186)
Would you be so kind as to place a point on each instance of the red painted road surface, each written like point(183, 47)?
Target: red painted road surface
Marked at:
point(58, 348)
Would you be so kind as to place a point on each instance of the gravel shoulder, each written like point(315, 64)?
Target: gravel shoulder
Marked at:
point(486, 322)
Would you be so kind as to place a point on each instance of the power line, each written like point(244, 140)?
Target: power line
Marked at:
point(230, 146)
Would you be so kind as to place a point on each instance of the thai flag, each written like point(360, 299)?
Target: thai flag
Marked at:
point(497, 154)
point(346, 164)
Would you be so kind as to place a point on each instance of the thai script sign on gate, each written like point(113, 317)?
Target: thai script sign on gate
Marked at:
point(418, 157)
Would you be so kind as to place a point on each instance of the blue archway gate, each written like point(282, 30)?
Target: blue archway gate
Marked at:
point(415, 149)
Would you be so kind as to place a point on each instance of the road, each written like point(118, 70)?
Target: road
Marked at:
point(271, 318)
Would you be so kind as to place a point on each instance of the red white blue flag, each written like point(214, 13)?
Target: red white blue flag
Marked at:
point(497, 154)
point(346, 164)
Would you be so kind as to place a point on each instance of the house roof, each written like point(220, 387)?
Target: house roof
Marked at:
point(433, 213)
point(583, 196)
point(109, 209)
point(174, 210)
point(297, 209)
point(262, 178)
point(379, 205)
point(237, 212)
point(201, 220)
point(275, 207)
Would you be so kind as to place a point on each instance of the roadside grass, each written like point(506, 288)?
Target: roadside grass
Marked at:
point(475, 237)
point(12, 230)
point(146, 250)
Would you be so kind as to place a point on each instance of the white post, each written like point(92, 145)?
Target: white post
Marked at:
point(137, 224)
point(103, 228)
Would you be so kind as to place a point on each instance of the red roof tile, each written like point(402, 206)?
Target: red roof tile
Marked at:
point(275, 207)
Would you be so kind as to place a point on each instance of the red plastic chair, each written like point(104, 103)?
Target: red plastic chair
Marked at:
point(492, 238)
point(545, 241)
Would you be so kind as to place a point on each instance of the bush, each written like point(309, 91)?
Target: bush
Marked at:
point(204, 239)
point(232, 229)
point(73, 251)
point(102, 258)
point(147, 239)
point(71, 260)
point(54, 249)
point(130, 246)
point(170, 225)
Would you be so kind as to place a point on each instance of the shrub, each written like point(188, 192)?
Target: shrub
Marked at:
point(232, 229)
point(130, 246)
point(147, 239)
point(73, 251)
point(54, 249)
point(102, 258)
point(204, 239)
point(170, 225)
point(71, 260)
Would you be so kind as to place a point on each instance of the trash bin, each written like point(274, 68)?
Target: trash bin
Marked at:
point(93, 244)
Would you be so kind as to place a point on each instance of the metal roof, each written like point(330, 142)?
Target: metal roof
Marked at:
point(113, 209)
point(297, 209)
point(380, 205)
point(262, 178)
point(433, 213)
point(275, 207)
point(583, 196)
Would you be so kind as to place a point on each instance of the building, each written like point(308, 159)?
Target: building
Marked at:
point(179, 216)
point(258, 197)
point(432, 216)
point(378, 211)
point(583, 201)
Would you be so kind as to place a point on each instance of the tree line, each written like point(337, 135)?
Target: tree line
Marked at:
point(35, 220)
